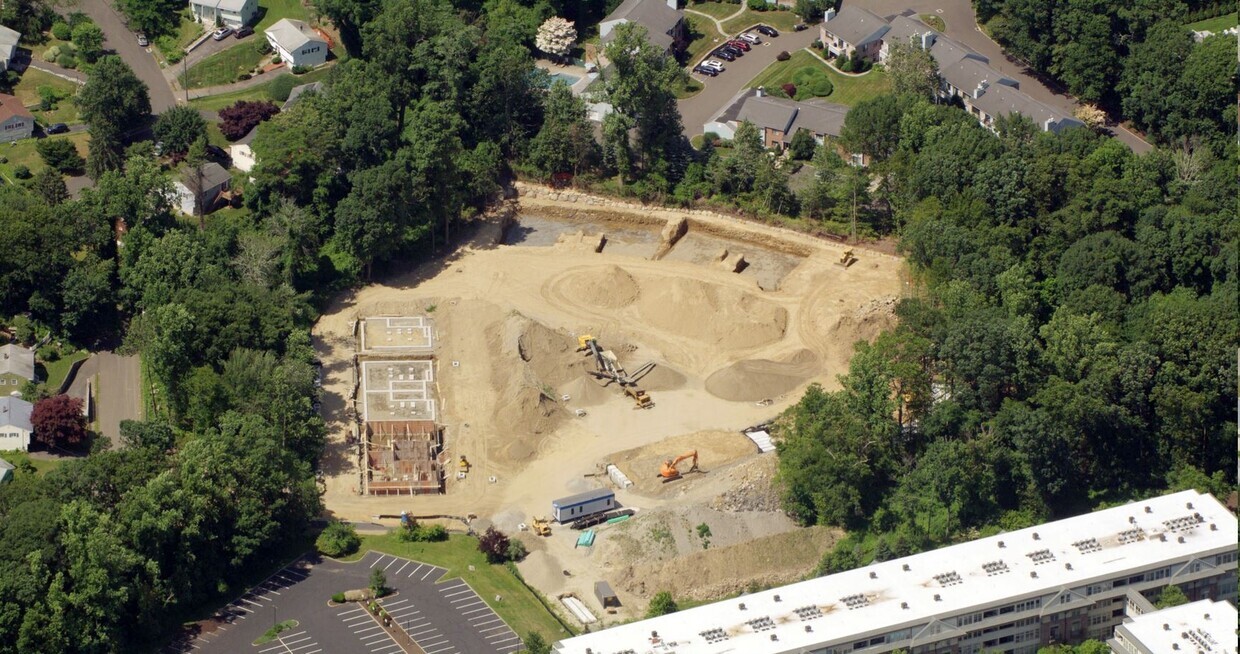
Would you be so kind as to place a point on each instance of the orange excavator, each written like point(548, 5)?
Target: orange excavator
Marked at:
point(669, 472)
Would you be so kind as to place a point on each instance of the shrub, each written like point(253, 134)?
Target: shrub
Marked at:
point(300, 70)
point(841, 62)
point(494, 544)
point(516, 550)
point(338, 598)
point(62, 31)
point(378, 582)
point(790, 89)
point(21, 171)
point(783, 56)
point(66, 60)
point(817, 44)
point(52, 53)
point(263, 47)
point(280, 88)
point(802, 146)
point(338, 539)
point(276, 59)
point(758, 5)
point(661, 604)
point(48, 97)
point(244, 76)
point(60, 154)
point(237, 121)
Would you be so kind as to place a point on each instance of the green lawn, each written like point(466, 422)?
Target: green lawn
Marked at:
point(257, 92)
point(719, 10)
point(270, 11)
point(188, 31)
point(41, 466)
point(23, 153)
point(705, 37)
point(690, 88)
point(57, 369)
point(848, 90)
point(223, 67)
point(27, 90)
point(1216, 25)
point(780, 20)
point(518, 606)
point(933, 20)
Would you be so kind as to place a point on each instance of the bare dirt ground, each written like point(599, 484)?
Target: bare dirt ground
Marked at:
point(506, 321)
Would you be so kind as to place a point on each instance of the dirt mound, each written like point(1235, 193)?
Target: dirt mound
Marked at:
point(721, 316)
point(866, 322)
point(662, 378)
point(551, 355)
point(610, 287)
point(715, 449)
point(753, 488)
point(725, 571)
point(587, 391)
point(751, 380)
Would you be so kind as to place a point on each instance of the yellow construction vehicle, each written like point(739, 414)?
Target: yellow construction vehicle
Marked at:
point(541, 526)
point(669, 472)
point(607, 367)
point(464, 464)
point(639, 396)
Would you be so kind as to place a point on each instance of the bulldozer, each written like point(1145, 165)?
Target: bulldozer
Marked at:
point(541, 526)
point(669, 472)
point(463, 464)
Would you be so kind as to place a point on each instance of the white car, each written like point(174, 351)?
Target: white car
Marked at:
point(222, 33)
point(752, 38)
point(713, 63)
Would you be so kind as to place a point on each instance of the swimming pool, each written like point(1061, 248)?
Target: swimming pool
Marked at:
point(568, 79)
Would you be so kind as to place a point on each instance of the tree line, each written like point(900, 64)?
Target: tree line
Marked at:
point(1070, 344)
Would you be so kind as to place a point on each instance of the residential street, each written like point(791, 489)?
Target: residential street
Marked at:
point(119, 38)
point(719, 90)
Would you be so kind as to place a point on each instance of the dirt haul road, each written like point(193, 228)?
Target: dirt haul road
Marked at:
point(507, 318)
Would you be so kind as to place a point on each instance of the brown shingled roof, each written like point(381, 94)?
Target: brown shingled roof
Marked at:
point(11, 106)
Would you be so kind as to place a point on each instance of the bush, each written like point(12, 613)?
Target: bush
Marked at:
point(338, 539)
point(661, 604)
point(416, 533)
point(817, 44)
point(49, 96)
point(281, 87)
point(494, 544)
point(62, 31)
point(516, 550)
point(783, 56)
point(758, 5)
point(338, 598)
point(21, 171)
point(52, 53)
point(790, 89)
point(300, 70)
point(263, 47)
point(841, 62)
point(60, 154)
point(66, 60)
point(276, 60)
point(237, 121)
point(378, 582)
point(244, 76)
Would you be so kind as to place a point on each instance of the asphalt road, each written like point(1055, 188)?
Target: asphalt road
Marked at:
point(718, 91)
point(121, 39)
point(118, 390)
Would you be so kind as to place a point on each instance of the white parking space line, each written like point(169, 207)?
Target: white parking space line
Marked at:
point(502, 626)
point(447, 649)
point(357, 610)
point(394, 560)
point(288, 639)
point(511, 648)
point(376, 563)
point(428, 643)
point(391, 604)
point(294, 649)
point(380, 649)
point(428, 573)
point(483, 624)
point(502, 638)
point(455, 583)
point(370, 628)
point(358, 620)
point(459, 592)
point(415, 570)
point(471, 598)
point(403, 566)
point(424, 631)
point(485, 608)
point(374, 640)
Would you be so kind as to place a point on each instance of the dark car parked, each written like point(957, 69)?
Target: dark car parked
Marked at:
point(800, 27)
point(244, 31)
point(767, 30)
point(56, 128)
point(733, 49)
point(703, 70)
point(217, 152)
point(725, 55)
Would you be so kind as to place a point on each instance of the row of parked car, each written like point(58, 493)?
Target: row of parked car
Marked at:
point(733, 49)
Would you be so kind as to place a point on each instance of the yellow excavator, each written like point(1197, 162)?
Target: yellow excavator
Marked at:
point(669, 472)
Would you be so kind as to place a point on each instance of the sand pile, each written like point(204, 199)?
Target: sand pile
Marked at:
point(720, 316)
point(751, 380)
point(715, 449)
point(551, 355)
point(661, 378)
point(866, 322)
point(609, 287)
point(588, 391)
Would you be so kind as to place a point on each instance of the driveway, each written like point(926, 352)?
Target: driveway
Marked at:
point(718, 91)
point(962, 27)
point(121, 39)
point(117, 387)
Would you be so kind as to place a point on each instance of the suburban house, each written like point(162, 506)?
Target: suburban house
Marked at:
point(778, 119)
point(6, 471)
point(15, 425)
point(294, 96)
point(964, 74)
point(16, 367)
point(15, 122)
point(8, 47)
point(297, 43)
point(853, 30)
point(194, 191)
point(233, 13)
point(665, 24)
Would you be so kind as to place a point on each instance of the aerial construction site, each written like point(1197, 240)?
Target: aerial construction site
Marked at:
point(604, 367)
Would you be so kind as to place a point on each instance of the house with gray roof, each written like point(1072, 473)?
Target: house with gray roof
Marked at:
point(989, 103)
point(294, 96)
point(200, 192)
point(6, 471)
point(664, 23)
point(16, 367)
point(853, 30)
point(905, 29)
point(778, 119)
point(15, 426)
point(297, 43)
point(233, 13)
point(9, 39)
point(970, 76)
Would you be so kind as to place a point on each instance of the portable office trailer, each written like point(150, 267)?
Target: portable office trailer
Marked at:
point(574, 507)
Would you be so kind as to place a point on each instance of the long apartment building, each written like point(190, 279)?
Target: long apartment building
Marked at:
point(1063, 581)
point(964, 73)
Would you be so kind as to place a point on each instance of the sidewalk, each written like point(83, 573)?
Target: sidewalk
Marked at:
point(53, 69)
point(208, 91)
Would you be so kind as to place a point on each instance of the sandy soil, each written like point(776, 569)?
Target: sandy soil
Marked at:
point(506, 321)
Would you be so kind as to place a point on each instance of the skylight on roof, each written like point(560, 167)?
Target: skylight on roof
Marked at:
point(1088, 545)
point(949, 578)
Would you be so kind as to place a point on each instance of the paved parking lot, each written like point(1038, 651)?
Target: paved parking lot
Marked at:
point(442, 618)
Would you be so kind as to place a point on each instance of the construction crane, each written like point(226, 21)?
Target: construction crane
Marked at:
point(669, 472)
point(608, 367)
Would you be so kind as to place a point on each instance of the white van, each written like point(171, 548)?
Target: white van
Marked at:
point(751, 38)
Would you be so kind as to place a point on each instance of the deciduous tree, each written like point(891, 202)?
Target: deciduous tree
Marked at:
point(178, 128)
point(59, 421)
